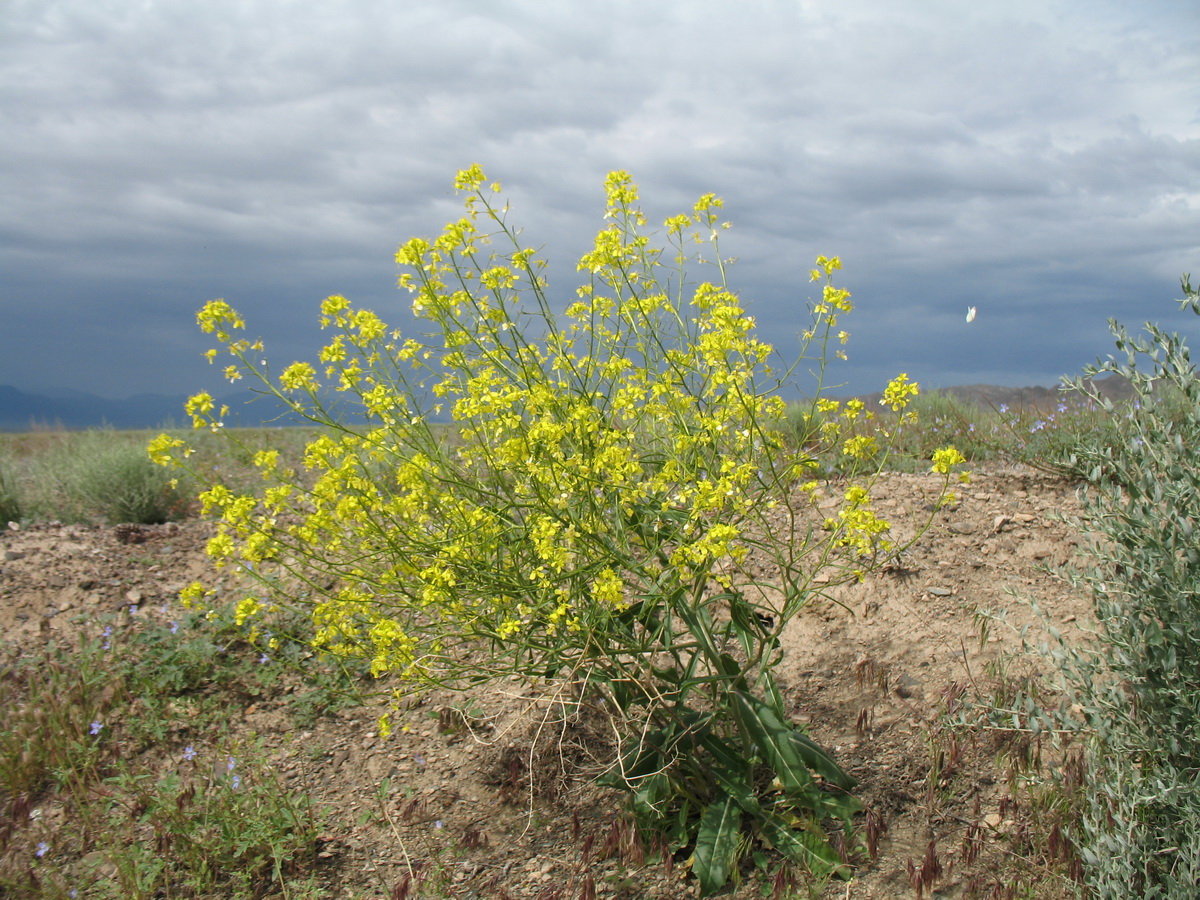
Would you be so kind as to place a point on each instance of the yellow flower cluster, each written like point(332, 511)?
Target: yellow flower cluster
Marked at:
point(857, 526)
point(597, 461)
point(899, 392)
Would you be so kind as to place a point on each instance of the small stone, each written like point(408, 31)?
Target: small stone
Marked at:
point(962, 527)
point(940, 591)
point(10, 555)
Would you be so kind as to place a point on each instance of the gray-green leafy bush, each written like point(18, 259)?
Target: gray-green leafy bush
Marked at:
point(112, 479)
point(99, 475)
point(10, 497)
point(1134, 690)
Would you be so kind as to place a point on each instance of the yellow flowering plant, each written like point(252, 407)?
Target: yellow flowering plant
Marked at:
point(589, 519)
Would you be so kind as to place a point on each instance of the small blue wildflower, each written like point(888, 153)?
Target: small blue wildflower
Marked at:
point(229, 765)
point(189, 753)
point(264, 659)
point(437, 824)
point(174, 627)
point(419, 759)
point(96, 726)
point(42, 847)
point(237, 782)
point(133, 609)
point(1003, 408)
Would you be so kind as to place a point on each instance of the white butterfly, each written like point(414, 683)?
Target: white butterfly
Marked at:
point(970, 314)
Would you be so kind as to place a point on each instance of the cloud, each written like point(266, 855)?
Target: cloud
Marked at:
point(1039, 161)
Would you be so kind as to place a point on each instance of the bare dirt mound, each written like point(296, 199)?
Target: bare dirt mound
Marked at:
point(872, 671)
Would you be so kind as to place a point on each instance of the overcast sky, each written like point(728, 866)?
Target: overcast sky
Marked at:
point(1037, 160)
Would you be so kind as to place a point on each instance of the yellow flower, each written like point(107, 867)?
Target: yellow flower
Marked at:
point(945, 459)
point(508, 628)
point(299, 376)
point(215, 314)
point(197, 406)
point(898, 392)
point(861, 446)
point(608, 589)
point(246, 608)
point(192, 594)
point(470, 179)
point(160, 449)
point(333, 305)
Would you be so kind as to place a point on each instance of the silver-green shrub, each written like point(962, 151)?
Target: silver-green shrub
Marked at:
point(102, 475)
point(1135, 690)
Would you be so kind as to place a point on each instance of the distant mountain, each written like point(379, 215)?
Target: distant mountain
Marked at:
point(73, 410)
point(1109, 387)
point(21, 411)
point(992, 396)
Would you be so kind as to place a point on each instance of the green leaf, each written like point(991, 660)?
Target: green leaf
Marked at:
point(792, 754)
point(773, 739)
point(744, 621)
point(817, 759)
point(731, 772)
point(649, 795)
point(716, 844)
point(809, 848)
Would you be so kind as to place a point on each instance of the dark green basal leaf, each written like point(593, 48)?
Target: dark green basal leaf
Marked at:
point(717, 842)
point(791, 755)
point(732, 773)
point(822, 763)
point(807, 847)
point(650, 793)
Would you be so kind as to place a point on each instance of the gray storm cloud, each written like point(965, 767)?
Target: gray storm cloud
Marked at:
point(1038, 161)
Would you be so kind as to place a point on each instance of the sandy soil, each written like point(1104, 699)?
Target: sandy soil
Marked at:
point(873, 675)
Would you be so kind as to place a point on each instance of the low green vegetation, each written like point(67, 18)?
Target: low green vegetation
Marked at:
point(119, 778)
point(104, 476)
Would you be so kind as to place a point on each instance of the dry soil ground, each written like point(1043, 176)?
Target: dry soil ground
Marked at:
point(872, 675)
